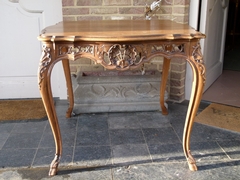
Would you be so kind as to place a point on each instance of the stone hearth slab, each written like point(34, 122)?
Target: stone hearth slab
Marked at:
point(116, 91)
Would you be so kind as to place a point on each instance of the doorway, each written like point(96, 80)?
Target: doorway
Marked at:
point(226, 89)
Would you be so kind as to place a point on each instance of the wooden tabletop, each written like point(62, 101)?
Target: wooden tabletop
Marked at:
point(118, 30)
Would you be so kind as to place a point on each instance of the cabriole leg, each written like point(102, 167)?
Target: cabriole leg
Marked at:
point(67, 73)
point(198, 70)
point(165, 70)
point(44, 76)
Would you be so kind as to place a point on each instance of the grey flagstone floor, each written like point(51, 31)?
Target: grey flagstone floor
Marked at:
point(119, 146)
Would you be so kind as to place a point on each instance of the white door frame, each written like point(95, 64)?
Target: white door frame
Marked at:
point(193, 22)
point(214, 44)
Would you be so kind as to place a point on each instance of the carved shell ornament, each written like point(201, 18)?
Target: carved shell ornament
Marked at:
point(122, 55)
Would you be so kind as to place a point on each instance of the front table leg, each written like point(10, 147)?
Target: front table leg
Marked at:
point(198, 69)
point(44, 76)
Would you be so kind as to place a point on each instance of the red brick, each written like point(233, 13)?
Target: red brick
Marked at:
point(177, 83)
point(177, 75)
point(104, 10)
point(141, 2)
point(116, 2)
point(89, 2)
point(68, 2)
point(181, 2)
point(177, 98)
point(177, 90)
point(178, 67)
point(180, 10)
point(82, 18)
point(69, 18)
point(75, 11)
point(165, 10)
point(178, 60)
point(167, 2)
point(131, 10)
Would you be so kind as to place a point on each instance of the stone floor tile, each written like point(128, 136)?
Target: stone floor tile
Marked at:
point(64, 173)
point(23, 140)
point(173, 171)
point(68, 139)
point(86, 174)
point(165, 135)
point(45, 156)
point(15, 157)
point(92, 137)
point(218, 170)
point(231, 148)
point(130, 154)
point(6, 126)
point(126, 136)
point(90, 123)
point(167, 152)
point(202, 132)
point(131, 145)
point(177, 108)
point(124, 122)
point(218, 134)
point(30, 127)
point(153, 120)
point(65, 124)
point(3, 139)
point(92, 156)
point(203, 151)
point(149, 171)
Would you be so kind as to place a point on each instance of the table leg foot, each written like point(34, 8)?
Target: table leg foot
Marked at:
point(69, 112)
point(191, 162)
point(164, 110)
point(54, 166)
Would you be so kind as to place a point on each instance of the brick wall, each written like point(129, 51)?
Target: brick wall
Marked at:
point(176, 10)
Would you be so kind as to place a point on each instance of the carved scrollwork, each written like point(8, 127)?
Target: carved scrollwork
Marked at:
point(121, 56)
point(168, 48)
point(45, 61)
point(197, 54)
point(198, 57)
point(63, 50)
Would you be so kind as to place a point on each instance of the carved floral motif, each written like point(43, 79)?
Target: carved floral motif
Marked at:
point(120, 56)
point(168, 48)
point(197, 54)
point(63, 50)
point(198, 57)
point(45, 61)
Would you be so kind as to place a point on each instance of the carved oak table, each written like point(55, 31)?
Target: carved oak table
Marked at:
point(120, 45)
